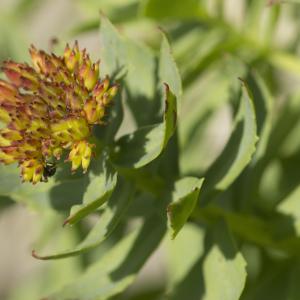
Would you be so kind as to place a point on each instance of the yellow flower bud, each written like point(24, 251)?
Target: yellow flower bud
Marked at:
point(32, 170)
point(80, 155)
point(49, 108)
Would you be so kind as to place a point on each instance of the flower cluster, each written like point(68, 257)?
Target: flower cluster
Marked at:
point(50, 107)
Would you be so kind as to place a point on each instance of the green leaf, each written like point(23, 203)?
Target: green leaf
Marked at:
point(118, 268)
point(290, 207)
point(198, 113)
point(102, 181)
point(284, 132)
point(10, 179)
point(263, 104)
point(218, 274)
point(39, 197)
point(250, 181)
point(175, 9)
point(114, 210)
point(223, 267)
point(279, 234)
point(280, 281)
point(184, 199)
point(239, 149)
point(206, 47)
point(139, 148)
point(248, 227)
point(117, 14)
point(168, 71)
point(285, 61)
point(188, 244)
point(135, 66)
point(62, 191)
point(291, 204)
point(36, 197)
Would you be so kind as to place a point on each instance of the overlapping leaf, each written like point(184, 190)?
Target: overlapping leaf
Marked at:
point(218, 273)
point(118, 268)
point(102, 181)
point(134, 66)
point(139, 148)
point(239, 149)
point(184, 200)
point(114, 210)
point(172, 9)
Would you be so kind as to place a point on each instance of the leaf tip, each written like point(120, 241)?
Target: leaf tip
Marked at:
point(243, 81)
point(167, 88)
point(66, 222)
point(35, 255)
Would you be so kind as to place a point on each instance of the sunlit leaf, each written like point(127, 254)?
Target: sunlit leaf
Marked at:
point(224, 267)
point(168, 71)
point(172, 9)
point(139, 148)
point(183, 202)
point(219, 273)
point(118, 268)
point(285, 61)
point(188, 244)
point(134, 65)
point(239, 149)
point(112, 213)
point(102, 181)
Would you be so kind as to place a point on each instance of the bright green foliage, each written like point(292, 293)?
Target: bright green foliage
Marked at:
point(195, 175)
point(183, 202)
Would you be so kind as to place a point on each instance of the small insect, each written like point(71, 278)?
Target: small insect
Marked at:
point(49, 171)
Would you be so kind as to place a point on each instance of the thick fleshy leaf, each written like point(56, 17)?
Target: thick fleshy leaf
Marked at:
point(285, 61)
point(284, 135)
point(290, 207)
point(63, 190)
point(168, 71)
point(10, 179)
point(263, 104)
point(36, 197)
point(207, 48)
point(171, 9)
point(118, 268)
point(202, 103)
point(218, 274)
point(134, 65)
point(114, 209)
point(224, 267)
point(40, 197)
point(102, 181)
point(117, 14)
point(280, 234)
point(190, 244)
point(137, 64)
point(239, 149)
point(280, 281)
point(184, 199)
point(139, 148)
point(261, 24)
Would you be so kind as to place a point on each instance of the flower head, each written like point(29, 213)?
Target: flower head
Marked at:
point(50, 107)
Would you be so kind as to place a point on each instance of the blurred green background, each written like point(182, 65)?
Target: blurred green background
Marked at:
point(208, 38)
